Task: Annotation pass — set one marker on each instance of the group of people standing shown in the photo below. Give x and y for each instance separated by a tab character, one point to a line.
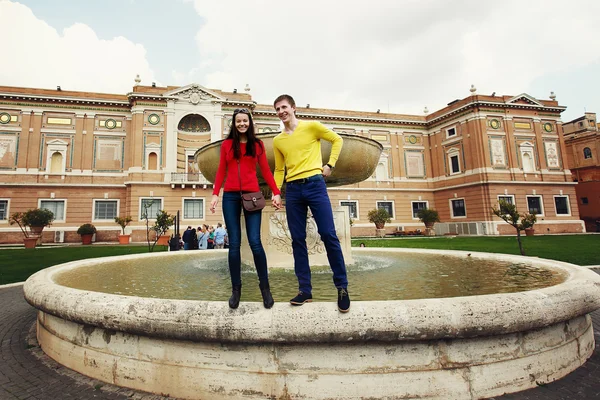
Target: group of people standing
298	163
205	237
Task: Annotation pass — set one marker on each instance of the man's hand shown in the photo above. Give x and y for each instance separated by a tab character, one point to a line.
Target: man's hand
277	201
327	170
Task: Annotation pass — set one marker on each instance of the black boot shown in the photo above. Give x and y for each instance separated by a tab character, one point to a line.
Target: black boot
265	290
236	293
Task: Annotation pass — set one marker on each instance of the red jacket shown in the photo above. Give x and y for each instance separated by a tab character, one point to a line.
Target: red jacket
228	165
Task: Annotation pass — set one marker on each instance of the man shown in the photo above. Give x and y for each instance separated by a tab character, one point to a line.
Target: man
298	150
220	234
187	238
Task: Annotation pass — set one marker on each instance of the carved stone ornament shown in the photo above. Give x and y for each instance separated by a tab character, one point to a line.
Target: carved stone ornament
194	95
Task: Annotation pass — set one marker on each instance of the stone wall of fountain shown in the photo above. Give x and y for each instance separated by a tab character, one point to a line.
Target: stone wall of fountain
451	348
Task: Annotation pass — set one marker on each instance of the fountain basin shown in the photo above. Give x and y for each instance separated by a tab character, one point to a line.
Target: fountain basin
460	347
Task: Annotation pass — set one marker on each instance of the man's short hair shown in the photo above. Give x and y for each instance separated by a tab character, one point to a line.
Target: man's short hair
285	97
189	227
219	224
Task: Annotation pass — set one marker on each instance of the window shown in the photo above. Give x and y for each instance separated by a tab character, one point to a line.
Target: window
587	153
510	199
106	210
584	200
193	208
56	206
534	205
3	210
458	208
387	206
450	132
561	204
151	206
352	208
416	206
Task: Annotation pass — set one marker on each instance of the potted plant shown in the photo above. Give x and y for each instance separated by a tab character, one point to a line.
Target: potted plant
161	225
429	217
123	222
32	222
508	212
87	232
379	217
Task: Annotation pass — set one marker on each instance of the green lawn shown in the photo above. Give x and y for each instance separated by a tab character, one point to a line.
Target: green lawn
576	249
16	265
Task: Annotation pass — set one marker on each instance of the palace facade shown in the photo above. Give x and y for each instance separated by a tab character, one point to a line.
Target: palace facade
89	157
582	140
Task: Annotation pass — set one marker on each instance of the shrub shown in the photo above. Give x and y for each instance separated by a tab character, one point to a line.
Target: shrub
123	222
379	217
86	229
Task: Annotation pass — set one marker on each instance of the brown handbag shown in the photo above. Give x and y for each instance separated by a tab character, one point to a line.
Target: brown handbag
254	201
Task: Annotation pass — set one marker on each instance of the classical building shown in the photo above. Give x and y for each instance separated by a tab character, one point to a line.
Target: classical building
582	140
89	157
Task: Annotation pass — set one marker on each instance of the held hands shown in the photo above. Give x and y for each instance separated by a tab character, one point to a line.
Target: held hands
277	201
213	203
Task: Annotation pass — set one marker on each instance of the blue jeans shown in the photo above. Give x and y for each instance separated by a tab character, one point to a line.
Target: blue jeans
313	195
232	210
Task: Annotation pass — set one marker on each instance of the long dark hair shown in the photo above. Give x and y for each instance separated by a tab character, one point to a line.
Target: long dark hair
251	138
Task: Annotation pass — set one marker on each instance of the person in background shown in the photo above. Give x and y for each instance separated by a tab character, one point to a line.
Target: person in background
241	151
187	238
203	237
211	237
297	151
220	235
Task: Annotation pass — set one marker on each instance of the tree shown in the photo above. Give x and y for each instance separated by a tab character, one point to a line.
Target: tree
123	222
429	217
508	212
161	225
379	217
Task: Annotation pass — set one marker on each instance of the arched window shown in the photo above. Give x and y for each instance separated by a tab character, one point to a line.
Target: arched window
152	161
587	153
194	123
56	163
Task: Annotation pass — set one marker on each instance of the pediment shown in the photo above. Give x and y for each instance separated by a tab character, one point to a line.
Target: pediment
57	142
524	98
194	93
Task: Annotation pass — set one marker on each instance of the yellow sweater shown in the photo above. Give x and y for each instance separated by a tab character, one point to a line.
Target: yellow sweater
300	151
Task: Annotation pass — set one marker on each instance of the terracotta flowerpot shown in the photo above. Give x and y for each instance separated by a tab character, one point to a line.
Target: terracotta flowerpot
163	240
87	239
529	232
124	239
30	242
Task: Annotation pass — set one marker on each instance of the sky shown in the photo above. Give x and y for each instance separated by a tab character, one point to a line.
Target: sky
394	55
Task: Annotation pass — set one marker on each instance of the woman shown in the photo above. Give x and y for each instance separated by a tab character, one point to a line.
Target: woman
203	237
244	150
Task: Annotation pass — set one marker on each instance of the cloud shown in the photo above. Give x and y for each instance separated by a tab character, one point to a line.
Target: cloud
36	55
390	54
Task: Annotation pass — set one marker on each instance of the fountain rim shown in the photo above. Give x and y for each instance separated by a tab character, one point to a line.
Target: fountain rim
367	321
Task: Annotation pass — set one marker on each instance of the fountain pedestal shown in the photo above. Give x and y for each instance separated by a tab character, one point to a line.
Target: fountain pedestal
277	241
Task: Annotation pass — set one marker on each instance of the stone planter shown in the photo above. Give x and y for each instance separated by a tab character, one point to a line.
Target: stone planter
380	233
30	242
87	238
529	232
37	230
124	239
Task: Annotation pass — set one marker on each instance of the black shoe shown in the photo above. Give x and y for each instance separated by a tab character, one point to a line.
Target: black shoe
343	300
301	298
265	290
236	293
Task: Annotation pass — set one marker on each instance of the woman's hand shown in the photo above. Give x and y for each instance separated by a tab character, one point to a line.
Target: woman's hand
277	201
213	203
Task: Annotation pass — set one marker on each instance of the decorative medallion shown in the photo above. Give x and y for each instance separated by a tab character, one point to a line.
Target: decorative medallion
548	127
153	119
494	124
412	139
110	124
194	98
4	118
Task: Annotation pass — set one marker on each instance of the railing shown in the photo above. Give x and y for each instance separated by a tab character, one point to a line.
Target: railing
185	177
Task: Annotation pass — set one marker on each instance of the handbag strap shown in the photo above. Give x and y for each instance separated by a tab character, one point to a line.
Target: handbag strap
240	177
